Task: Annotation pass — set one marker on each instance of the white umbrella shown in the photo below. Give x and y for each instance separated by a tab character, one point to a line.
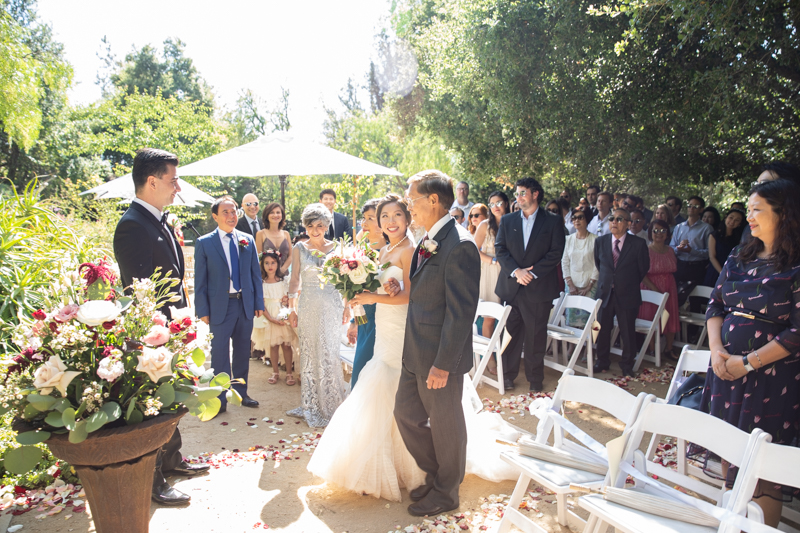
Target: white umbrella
122	187
282	154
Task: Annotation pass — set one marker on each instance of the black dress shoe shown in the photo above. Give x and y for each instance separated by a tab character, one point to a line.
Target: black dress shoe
188	469
537	387
420	492
599	368
508	384
247	401
628	372
423	508
167	495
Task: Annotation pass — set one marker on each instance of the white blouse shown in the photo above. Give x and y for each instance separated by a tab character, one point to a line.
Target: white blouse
578	260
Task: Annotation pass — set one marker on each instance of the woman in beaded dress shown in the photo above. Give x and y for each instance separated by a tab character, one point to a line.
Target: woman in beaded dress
322	314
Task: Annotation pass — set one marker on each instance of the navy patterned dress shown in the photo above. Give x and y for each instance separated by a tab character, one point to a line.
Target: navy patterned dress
769	397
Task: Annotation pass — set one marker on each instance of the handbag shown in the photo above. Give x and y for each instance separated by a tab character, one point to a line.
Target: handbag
689	392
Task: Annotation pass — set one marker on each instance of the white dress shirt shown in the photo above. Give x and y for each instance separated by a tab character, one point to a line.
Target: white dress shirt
438	226
527	227
599	226
465	209
226	243
158	214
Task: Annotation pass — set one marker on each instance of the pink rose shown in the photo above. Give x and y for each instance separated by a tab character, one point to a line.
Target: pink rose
344	269
67	313
160	319
157	336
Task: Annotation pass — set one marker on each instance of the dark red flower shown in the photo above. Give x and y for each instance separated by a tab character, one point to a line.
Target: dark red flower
187	321
53	327
189	337
28	352
39	315
20	490
175	327
92	272
352	265
110	324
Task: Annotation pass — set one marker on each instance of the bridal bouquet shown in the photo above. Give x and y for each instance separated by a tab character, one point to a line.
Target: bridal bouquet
353	269
95	358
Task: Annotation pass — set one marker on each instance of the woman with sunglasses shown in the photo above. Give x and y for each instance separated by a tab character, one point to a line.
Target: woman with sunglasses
477	214
577	264
490	269
660	278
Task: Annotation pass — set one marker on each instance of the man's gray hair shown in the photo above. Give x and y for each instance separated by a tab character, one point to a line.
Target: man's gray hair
316	213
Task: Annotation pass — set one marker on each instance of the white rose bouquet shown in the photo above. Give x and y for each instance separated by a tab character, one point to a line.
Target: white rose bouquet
353	269
99	359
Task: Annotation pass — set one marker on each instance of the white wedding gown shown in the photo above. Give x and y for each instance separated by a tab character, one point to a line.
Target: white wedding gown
362	450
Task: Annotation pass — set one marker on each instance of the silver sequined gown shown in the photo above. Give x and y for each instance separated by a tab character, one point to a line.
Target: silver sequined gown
320	309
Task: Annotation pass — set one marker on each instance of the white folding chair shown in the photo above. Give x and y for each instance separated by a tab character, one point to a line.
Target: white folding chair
775	463
569	335
483	348
557	478
714	434
555	316
688	318
650	328
690	361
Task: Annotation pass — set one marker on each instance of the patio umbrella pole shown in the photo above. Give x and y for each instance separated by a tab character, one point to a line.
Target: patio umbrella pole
282	179
355	202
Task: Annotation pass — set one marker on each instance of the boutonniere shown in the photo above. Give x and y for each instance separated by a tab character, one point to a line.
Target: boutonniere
244	243
428	248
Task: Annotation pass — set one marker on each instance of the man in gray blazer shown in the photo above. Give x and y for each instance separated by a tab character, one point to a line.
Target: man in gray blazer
445	279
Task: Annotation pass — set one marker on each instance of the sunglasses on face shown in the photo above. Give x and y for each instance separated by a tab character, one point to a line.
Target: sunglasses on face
659	231
695	206
521	194
618	219
496	204
476	215
248	204
577	217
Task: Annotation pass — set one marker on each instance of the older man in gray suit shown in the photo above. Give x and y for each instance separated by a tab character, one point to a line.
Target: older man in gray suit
445	278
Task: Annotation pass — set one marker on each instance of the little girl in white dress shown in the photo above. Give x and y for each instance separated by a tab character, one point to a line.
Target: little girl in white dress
272	333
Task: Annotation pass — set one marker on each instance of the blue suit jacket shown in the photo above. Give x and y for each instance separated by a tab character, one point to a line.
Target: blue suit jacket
212	277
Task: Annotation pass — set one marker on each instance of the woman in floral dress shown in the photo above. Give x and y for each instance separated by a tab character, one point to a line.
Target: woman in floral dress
753	319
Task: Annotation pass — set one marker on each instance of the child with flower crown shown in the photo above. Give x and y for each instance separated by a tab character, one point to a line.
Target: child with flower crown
273	331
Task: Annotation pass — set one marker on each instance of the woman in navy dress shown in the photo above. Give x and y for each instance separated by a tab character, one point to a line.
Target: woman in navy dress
753	319
364	334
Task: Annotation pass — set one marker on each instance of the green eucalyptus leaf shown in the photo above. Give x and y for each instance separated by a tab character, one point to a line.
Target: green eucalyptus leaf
23	459
221	380
131	407
96	421
80	432
68	417
209	409
207	394
54	419
135	417
124	301
4	410
233	397
207	376
30	412
198	357
165	394
61	404
33	437
42	403
112	410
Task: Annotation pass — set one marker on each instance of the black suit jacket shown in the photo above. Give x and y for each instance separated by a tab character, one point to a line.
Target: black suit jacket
341	226
244	227
544	251
632	267
140	245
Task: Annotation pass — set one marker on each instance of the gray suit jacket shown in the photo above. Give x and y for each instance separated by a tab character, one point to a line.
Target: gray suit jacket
442	304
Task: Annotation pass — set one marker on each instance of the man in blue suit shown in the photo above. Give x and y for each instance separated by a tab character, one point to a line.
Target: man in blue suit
228	293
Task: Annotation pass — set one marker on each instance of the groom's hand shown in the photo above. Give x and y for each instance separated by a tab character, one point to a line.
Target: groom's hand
437	379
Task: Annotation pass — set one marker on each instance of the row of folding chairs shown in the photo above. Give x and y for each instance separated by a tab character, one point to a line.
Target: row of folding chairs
641	416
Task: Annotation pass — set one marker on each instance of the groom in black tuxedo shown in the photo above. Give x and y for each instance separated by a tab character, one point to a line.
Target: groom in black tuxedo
143	242
445	278
529	246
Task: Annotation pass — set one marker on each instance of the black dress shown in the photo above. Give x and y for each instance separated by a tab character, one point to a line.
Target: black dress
723	247
769	397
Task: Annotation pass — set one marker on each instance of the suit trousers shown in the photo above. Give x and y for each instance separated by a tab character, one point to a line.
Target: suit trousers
626	318
439	448
527	325
168	458
237	328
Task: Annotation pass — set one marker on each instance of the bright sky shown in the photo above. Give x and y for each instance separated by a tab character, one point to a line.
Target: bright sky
310	47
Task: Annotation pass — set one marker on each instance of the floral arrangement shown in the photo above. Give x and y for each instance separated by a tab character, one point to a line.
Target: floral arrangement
353	269
97	358
177	227
428	248
243	243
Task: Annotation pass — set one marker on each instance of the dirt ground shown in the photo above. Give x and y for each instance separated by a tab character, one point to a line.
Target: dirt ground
245	492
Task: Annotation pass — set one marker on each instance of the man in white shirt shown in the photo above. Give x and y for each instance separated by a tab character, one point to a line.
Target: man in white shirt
462	201
599	224
638	222
249	223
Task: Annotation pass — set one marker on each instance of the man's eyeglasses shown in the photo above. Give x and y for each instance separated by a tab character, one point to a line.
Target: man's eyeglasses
410	201
248	204
521	194
618	219
577	217
637	221
659	230
496	204
476	215
695	206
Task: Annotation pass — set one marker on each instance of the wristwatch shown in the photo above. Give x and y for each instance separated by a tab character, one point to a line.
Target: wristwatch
747	366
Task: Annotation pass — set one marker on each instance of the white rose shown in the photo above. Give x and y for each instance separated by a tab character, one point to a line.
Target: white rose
431	245
53	374
180	314
358	275
95	312
155	362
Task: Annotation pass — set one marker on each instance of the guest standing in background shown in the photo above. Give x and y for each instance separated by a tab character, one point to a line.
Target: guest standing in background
340	224
675	205
458	215
462	200
753	319
577	264
775	170
711	217
249	222
363	335
722	242
660	278
664	213
599	224
477	214
591	196
322	385
274	236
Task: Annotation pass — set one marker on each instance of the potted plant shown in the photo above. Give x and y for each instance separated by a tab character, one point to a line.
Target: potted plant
103	379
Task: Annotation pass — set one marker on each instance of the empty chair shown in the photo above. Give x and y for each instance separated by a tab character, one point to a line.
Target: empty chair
694	319
483	348
559	332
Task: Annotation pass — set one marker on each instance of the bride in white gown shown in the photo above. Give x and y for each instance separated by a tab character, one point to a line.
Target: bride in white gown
361	449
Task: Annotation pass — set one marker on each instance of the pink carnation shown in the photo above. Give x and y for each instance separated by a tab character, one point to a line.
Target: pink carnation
157	336
344	269
160	319
67	313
